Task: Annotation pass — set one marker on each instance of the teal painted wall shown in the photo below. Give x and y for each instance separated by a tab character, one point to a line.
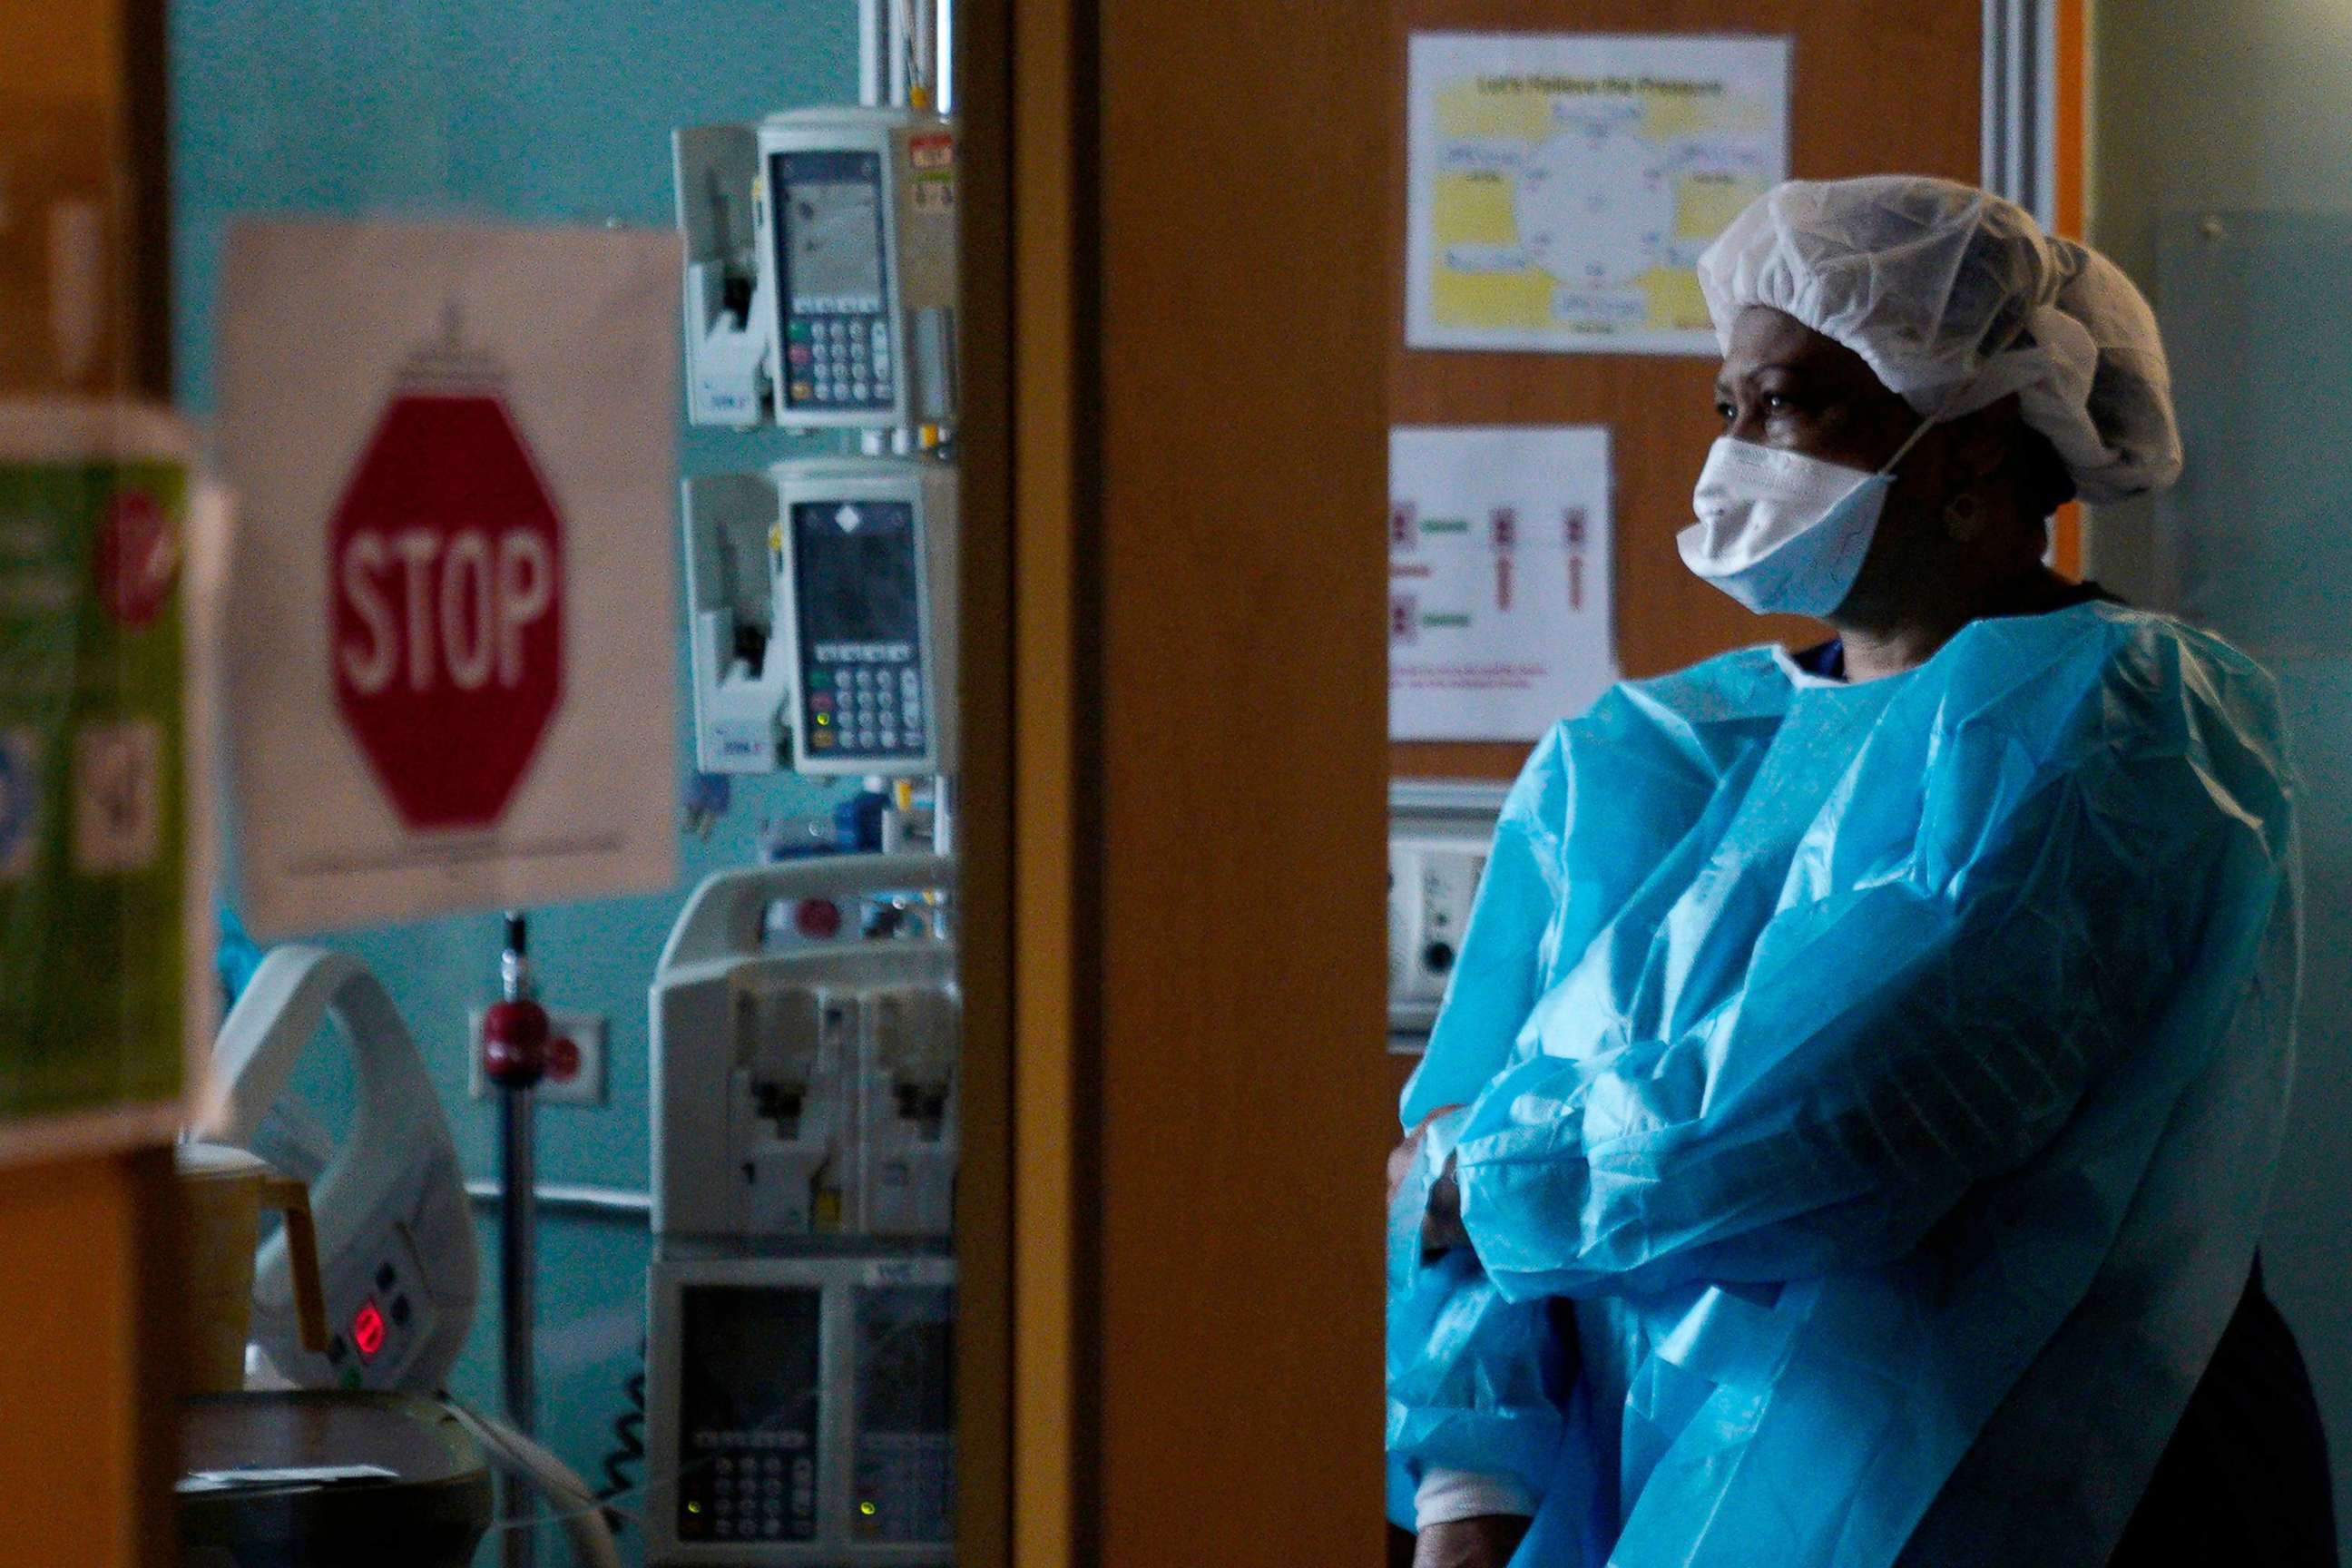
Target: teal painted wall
503	110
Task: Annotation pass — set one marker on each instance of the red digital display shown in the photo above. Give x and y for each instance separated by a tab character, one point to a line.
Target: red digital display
367	1329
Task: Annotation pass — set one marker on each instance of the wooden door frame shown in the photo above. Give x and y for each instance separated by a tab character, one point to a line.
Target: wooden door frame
93	1293
1183	1034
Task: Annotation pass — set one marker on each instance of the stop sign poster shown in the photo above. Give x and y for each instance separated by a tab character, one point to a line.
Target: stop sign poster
450	680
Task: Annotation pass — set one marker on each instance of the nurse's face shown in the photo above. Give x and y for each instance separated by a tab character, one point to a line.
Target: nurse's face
1784	385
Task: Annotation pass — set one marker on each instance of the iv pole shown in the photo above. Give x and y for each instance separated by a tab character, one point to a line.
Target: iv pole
514	1057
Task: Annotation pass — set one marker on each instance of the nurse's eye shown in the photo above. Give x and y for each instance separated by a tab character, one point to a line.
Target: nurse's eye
1726	410
1779	403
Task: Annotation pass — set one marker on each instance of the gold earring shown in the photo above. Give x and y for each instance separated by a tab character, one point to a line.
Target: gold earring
1963	517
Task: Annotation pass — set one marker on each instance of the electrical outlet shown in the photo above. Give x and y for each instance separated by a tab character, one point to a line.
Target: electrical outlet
575	1057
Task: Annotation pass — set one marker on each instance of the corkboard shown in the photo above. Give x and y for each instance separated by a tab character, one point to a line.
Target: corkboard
1878	87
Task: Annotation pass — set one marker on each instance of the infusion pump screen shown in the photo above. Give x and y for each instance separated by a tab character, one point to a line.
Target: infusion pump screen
833	262
855	563
857	588
749	1359
835	231
905	1463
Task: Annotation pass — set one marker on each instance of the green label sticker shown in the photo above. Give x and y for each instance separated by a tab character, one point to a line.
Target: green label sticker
92	862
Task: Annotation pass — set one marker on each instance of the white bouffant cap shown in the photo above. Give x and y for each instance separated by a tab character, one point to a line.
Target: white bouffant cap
1956	298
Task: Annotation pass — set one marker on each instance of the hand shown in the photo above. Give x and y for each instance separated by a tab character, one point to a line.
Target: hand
1486	1541
1401	1157
1441	1224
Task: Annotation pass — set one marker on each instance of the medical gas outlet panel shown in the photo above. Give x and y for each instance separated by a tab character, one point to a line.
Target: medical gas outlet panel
1439	836
821	269
822	594
809	1091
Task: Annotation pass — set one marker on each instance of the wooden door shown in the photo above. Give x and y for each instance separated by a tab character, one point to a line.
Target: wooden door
1171	458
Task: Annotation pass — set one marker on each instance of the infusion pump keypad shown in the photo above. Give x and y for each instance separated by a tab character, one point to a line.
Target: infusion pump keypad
844	360
753	1488
866	699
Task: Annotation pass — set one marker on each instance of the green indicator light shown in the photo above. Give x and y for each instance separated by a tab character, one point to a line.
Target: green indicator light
694	1507
869	1509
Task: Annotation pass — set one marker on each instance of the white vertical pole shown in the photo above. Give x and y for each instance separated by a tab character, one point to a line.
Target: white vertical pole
2023	100
2021	104
1992	78
896	34
869	52
925	20
873	30
943	82
2044	146
904	51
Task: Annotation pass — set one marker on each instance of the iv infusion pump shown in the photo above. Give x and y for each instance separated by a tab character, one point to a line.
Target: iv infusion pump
820	269
805	1120
801	1412
801	1306
822	594
807	1089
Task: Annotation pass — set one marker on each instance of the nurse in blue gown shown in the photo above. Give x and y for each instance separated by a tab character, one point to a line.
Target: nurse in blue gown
1846	1136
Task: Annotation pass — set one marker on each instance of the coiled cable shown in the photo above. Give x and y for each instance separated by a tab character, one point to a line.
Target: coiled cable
628	1442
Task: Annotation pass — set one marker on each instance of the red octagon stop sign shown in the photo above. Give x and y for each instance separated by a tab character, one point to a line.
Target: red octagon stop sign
446	555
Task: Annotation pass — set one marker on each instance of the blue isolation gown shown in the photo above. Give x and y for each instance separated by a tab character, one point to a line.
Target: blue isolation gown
1870	1098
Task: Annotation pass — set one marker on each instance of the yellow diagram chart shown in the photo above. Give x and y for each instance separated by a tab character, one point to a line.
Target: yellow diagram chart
1562	186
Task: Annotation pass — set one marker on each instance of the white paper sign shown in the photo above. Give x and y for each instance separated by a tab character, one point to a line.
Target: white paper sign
450	674
1499	622
1562	187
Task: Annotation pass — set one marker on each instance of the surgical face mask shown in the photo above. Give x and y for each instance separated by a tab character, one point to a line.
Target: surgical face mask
1783	531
